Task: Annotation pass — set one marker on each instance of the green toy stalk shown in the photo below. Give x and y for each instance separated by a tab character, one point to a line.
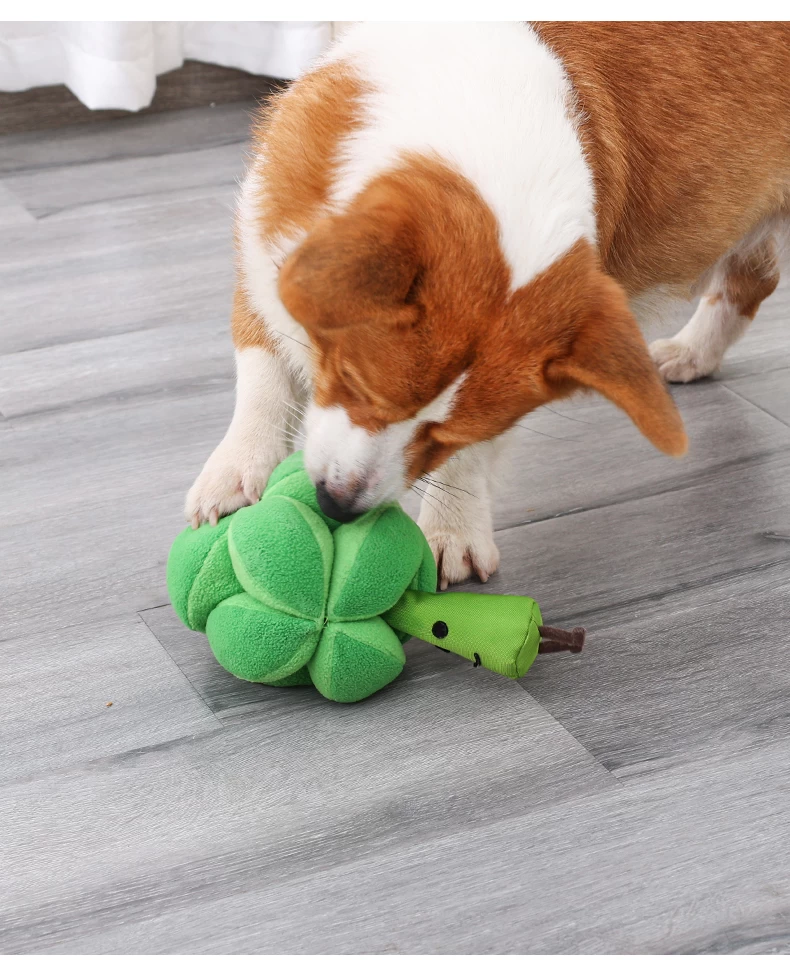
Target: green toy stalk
500	632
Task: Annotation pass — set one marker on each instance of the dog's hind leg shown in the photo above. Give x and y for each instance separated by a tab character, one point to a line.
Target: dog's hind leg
736	286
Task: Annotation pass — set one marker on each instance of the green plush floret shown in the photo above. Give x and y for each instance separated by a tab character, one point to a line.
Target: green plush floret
200	574
288	596
356	659
282	554
239	626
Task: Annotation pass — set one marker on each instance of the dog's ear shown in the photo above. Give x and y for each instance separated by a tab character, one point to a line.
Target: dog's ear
609	354
352	269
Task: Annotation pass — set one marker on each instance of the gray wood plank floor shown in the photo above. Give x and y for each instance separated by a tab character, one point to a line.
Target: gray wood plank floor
631	799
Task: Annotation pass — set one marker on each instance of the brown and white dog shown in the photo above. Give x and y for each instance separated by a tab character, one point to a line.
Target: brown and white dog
446	226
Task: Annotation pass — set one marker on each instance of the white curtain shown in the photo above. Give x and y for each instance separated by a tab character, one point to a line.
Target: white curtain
110	64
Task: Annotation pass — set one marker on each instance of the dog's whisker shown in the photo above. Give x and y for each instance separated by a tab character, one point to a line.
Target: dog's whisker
295	407
431	498
449	494
423	495
287	433
566	416
286	427
454	497
432	480
277	426
542	433
297	417
288	336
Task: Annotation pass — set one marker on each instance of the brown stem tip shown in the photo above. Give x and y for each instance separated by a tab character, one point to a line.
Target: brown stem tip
560	640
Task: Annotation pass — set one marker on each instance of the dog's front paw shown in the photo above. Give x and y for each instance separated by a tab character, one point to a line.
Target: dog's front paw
460	553
234	476
676	362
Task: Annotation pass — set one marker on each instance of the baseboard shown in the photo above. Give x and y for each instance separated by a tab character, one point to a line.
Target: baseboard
193	85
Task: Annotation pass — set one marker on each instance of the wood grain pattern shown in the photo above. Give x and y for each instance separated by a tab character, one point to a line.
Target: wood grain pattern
47	192
631	799
90	371
264	800
86	693
92	501
598	457
134	267
668	865
693	674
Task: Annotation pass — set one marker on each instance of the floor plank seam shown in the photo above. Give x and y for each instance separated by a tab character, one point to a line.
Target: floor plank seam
169	153
71	340
723	380
214	387
629	497
756	406
522	684
147	393
44	214
151	608
115	618
178	668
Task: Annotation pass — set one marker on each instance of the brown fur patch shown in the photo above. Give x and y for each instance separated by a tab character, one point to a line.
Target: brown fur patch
750	278
297	139
687	129
397	291
246	326
570	328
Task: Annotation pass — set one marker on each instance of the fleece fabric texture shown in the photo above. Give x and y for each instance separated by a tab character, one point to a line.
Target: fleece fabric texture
288	596
500	632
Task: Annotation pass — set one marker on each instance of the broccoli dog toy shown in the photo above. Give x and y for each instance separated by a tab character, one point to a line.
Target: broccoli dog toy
288	596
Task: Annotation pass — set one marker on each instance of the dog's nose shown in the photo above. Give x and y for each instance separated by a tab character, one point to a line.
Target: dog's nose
334	505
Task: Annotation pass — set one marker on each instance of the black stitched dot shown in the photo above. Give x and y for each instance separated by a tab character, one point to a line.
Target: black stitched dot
440	630
477	660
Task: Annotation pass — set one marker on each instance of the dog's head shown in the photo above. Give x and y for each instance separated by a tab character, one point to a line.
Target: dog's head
422	346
